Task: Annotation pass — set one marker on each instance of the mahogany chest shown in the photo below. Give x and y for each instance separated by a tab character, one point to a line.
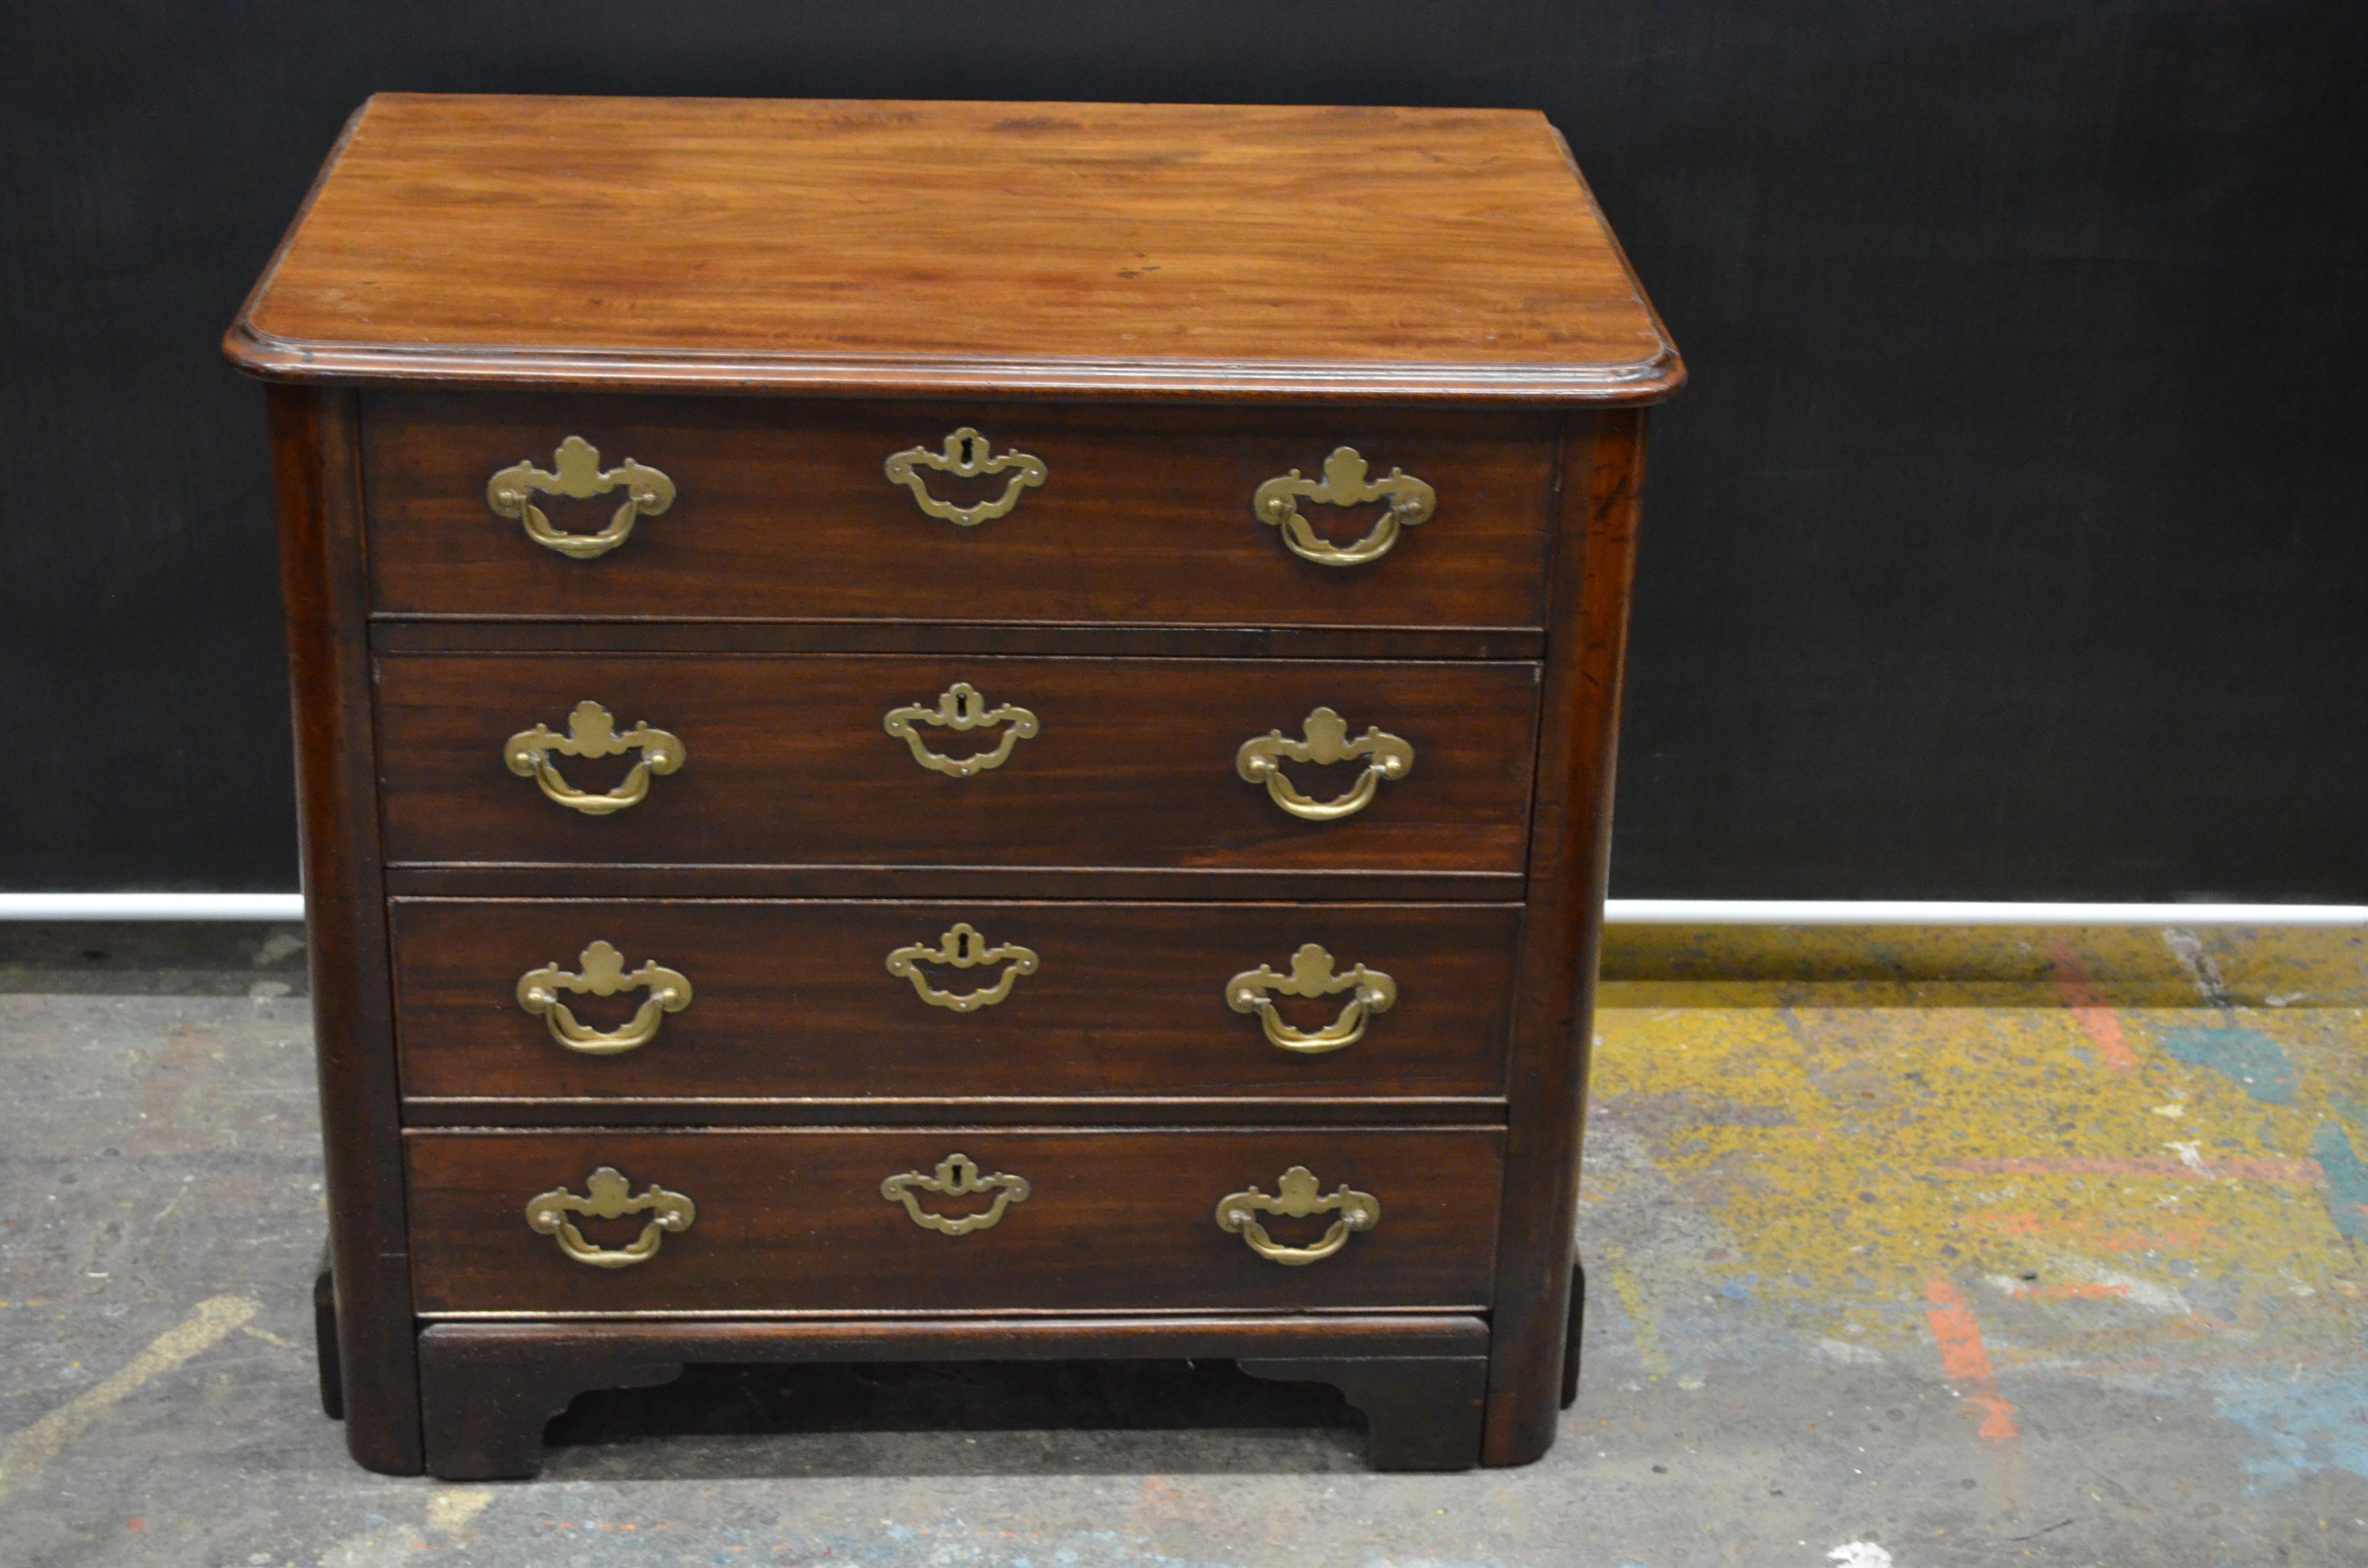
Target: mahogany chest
950	729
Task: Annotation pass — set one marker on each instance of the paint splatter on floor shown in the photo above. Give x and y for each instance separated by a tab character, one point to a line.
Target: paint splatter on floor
2113	1157
2244	1057
1925	1248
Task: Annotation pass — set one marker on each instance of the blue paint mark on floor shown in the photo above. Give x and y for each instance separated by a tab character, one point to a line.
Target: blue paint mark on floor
2347	1181
2253	1061
2305	1427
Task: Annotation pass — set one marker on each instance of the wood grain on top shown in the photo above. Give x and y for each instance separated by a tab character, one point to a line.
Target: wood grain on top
895	247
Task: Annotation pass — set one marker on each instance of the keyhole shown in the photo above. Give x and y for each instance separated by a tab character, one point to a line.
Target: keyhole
967	456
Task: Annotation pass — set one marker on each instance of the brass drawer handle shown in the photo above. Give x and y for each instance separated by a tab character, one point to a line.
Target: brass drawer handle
1358	1211
1344	484
603	975
962	948
548	1216
960	708
579	477
592	731
965	458
1311	975
1326	739
957	1176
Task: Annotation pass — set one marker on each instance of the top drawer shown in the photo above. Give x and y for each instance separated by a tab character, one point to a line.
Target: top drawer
786	509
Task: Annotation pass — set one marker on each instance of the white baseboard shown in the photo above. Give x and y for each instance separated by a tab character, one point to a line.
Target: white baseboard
1915	912
280	906
288	906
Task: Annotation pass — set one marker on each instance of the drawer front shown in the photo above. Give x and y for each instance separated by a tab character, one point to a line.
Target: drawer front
503	999
798	1222
785	509
1083	763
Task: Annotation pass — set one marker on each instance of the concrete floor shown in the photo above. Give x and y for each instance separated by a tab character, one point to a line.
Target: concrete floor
1905	1248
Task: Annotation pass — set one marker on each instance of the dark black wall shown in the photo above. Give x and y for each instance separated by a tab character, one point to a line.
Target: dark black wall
2009	542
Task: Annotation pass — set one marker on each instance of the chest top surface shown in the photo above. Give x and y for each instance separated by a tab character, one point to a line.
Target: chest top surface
880	247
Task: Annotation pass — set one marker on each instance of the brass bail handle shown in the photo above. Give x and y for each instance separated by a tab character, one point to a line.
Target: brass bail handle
1311	975
960	708
547	1215
962	948
957	1176
965	456
1237	1215
592	731
1324	739
1345	483
576	472
603	974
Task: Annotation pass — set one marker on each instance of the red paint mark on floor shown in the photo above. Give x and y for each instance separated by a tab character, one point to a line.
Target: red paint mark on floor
1964	1361
2070	1293
2087	1003
2286	1172
2091	1234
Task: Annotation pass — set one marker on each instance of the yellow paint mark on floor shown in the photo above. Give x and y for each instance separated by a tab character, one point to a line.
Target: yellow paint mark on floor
1856	1138
37	1445
1684	966
455	1509
1640	1322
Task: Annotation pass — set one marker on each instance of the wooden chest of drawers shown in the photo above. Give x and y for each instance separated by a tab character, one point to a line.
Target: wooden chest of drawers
938	730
